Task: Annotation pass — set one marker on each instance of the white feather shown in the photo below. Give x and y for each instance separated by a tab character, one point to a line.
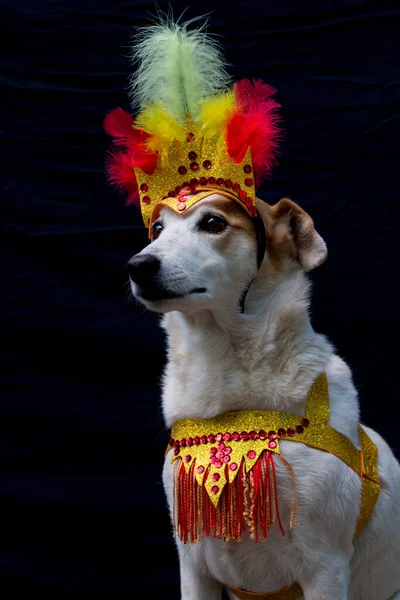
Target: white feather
176	66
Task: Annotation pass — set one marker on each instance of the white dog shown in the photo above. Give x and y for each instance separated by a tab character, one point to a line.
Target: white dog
266	357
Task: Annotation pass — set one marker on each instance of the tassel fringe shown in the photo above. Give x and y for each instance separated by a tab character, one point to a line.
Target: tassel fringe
249	503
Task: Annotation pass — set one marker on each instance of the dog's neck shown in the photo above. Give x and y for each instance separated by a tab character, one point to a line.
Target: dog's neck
265	358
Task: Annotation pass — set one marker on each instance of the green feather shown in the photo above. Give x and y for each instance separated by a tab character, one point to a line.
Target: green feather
177	67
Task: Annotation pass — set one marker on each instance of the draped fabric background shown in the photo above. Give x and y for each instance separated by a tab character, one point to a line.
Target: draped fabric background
82	437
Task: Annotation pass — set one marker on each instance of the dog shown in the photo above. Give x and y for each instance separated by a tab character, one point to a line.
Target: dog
239	338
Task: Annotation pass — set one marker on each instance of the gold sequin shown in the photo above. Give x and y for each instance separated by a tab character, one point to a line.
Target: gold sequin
166	177
318	434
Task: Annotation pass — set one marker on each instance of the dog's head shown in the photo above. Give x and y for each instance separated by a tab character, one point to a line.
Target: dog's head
207	257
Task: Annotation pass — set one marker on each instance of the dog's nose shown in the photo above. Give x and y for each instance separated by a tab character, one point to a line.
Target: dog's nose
143	268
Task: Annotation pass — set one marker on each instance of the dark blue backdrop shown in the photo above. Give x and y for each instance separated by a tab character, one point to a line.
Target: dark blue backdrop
82	440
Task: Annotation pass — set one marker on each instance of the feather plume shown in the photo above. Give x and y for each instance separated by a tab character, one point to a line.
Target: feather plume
121	174
251	93
255	123
176	66
215	112
164	128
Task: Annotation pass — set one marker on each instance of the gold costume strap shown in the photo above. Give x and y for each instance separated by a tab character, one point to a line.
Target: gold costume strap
293	592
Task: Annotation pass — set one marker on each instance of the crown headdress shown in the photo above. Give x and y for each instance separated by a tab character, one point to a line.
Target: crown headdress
194	134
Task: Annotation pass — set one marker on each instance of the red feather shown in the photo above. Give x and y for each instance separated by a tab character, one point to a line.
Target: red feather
119	124
120	164
121	174
255	124
248	93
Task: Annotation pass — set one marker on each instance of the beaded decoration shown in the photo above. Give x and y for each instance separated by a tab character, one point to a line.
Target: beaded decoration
195	133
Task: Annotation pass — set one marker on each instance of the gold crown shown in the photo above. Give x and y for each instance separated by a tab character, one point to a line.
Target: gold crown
193	170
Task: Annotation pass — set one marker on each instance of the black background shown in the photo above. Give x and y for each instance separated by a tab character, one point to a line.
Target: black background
82	438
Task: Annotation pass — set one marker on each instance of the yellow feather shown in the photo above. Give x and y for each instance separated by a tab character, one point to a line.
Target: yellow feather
163	128
215	112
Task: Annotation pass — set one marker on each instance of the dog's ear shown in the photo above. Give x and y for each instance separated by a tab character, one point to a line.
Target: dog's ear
290	230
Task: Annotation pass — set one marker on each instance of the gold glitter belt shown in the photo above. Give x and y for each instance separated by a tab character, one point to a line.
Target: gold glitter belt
225	479
292	592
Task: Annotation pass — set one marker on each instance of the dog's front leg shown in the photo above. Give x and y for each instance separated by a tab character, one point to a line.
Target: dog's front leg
196	581
329	581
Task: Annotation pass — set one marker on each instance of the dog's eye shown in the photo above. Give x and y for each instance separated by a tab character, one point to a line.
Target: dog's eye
212	224
156	230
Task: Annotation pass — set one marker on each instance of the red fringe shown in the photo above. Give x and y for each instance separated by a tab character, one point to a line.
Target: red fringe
250	503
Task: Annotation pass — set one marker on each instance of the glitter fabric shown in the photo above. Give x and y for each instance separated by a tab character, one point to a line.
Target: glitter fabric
240	438
177	171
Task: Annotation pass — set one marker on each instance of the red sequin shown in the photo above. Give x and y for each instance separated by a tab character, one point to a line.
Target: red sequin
213	450
242	194
219	454
177	189
200	469
262	434
227	450
211	180
221	446
272	444
248	181
194	166
291	432
214	489
247	169
211	438
190	137
196	440
299	428
204	439
235	436
305	422
220	181
244	435
226	458
248	202
207	164
213	459
271	435
251	454
182	170
171	441
194	181
218	437
182	443
176	451
189	441
171	193
144	187
227	436
192	155
216	477
146	200
187	458
253	210
236	187
228	183
233	466
253	435
185	184
281	432
181	206
203	180
218	464
176	443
